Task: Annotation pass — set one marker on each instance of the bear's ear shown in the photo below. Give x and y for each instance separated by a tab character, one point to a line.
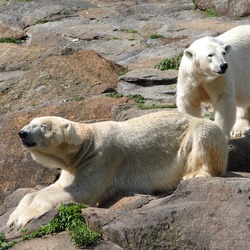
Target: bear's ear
188	53
227	47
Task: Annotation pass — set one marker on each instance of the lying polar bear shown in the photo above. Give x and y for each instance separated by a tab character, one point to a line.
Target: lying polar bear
142	155
217	70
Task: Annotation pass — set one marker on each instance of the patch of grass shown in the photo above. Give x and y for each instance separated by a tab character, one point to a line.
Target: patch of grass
115	95
140	101
68	218
10	40
170	63
4	244
129	31
155	106
124	71
210	12
25	0
156	36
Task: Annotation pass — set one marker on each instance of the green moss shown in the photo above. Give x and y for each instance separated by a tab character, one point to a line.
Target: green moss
210	12
155	106
129	31
124	71
156	36
170	63
68	218
115	95
4	244
140	101
10	40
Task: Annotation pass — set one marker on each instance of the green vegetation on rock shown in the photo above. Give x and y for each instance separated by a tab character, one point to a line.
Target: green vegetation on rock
210	12
68	218
10	40
4	244
128	31
170	63
140	101
156	36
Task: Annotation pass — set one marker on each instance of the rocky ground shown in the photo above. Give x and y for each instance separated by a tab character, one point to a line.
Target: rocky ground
72	53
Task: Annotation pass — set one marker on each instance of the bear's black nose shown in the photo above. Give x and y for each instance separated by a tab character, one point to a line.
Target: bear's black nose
23	134
224	66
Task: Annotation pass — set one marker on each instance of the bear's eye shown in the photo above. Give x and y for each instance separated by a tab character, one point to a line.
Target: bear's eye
210	55
224	53
44	127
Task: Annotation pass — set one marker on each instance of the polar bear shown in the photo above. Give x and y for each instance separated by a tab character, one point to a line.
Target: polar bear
217	70
99	160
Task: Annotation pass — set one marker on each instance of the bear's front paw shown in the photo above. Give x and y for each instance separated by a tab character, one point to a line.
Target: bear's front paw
22	215
240	129
18	220
29	208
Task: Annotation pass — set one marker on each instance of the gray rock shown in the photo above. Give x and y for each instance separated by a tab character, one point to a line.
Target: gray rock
202	213
152	84
236	8
24	13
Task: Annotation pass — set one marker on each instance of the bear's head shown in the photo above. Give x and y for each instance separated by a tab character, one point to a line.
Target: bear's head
208	57
54	138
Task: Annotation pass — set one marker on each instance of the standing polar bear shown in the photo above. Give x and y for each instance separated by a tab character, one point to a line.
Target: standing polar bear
142	155
217	70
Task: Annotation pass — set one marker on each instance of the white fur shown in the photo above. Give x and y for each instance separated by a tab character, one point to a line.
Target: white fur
142	155
199	79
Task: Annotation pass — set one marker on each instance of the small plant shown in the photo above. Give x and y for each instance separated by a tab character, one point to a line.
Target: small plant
124	71
170	63
115	95
210	12
140	101
156	36
128	31
68	218
10	40
24	230
3	244
155	106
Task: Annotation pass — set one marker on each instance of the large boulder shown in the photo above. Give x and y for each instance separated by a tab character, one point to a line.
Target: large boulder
203	213
235	8
58	78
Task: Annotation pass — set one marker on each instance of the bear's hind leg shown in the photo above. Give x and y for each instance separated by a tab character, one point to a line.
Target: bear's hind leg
208	150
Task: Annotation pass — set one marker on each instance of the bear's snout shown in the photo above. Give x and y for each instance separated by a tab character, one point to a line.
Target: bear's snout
23	134
26	139
223	67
